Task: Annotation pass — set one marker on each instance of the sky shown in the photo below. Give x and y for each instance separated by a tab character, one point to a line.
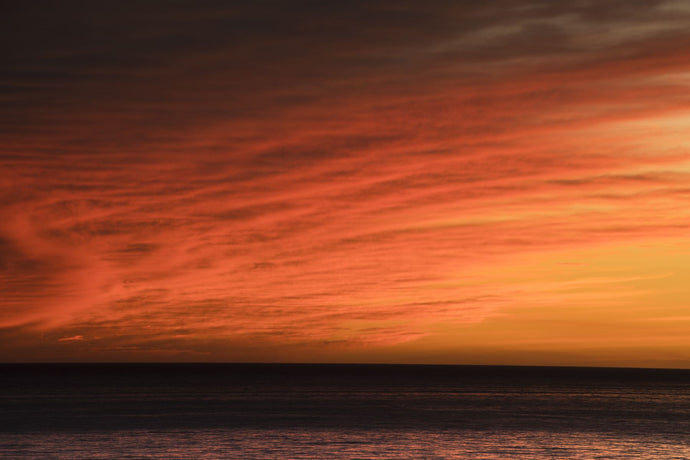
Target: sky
459	182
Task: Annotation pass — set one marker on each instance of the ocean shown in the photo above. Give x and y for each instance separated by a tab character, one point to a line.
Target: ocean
314	411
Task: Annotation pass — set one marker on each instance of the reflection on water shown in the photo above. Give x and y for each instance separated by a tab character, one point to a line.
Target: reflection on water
341	412
336	444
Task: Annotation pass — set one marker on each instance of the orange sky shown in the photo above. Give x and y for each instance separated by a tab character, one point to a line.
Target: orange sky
432	182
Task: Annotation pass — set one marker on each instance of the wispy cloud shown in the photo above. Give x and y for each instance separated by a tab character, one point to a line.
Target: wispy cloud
267	174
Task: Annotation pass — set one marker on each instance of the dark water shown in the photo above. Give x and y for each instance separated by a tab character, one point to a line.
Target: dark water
341	411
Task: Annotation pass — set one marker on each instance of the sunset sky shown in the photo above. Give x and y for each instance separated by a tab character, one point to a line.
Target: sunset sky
501	182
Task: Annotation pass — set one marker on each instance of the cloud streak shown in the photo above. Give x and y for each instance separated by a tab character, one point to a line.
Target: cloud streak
183	180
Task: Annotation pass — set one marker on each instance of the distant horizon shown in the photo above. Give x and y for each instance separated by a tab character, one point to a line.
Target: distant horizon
335	364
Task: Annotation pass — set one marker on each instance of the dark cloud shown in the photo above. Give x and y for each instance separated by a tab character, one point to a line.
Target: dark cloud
125	67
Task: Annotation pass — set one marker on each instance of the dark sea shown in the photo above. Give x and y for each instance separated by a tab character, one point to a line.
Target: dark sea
287	411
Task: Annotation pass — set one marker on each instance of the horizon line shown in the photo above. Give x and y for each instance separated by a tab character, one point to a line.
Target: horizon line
338	364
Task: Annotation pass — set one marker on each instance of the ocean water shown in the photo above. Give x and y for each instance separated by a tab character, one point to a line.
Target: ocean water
341	412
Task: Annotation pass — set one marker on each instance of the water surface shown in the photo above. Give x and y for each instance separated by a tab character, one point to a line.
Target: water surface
341	411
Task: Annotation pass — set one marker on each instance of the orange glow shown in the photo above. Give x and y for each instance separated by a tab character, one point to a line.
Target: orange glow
502	193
